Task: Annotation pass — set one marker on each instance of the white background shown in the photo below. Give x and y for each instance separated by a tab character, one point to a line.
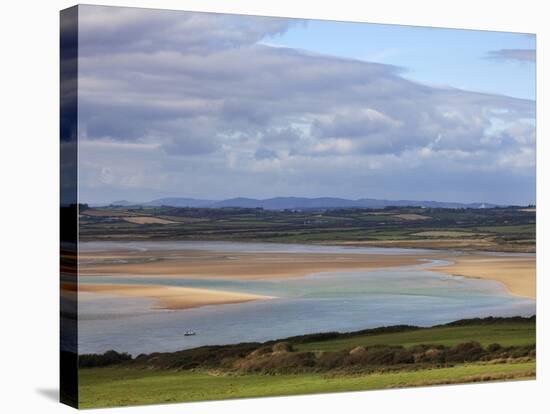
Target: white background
29	205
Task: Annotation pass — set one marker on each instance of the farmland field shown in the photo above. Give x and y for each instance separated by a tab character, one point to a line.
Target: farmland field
495	229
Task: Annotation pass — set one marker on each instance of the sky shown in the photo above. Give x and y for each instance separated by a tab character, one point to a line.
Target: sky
213	106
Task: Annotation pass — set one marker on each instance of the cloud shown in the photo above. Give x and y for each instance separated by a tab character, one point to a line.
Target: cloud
521	55
265	154
209	103
110	30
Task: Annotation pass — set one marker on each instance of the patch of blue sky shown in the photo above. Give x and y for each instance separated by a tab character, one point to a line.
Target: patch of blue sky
434	56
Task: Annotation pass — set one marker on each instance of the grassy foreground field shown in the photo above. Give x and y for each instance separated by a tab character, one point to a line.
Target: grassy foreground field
257	370
100	387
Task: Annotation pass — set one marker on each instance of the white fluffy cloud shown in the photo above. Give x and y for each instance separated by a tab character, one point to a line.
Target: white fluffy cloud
191	104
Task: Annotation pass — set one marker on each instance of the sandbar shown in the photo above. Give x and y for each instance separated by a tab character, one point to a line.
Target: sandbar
242	266
173	297
516	273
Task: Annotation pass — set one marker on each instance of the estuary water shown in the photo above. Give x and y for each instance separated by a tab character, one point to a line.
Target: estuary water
321	302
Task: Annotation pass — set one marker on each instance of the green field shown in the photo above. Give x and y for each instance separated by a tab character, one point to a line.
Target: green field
100	387
506	334
205	374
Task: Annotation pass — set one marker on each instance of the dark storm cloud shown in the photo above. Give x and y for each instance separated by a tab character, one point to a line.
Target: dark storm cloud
522	55
179	84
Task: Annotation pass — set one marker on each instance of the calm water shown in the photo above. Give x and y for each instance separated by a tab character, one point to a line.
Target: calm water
336	301
224	246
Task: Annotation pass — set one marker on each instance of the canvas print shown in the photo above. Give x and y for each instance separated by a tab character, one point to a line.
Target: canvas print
263	206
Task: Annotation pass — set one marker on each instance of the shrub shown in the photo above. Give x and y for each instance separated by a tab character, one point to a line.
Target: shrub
331	360
403	356
260	351
381	355
102	360
494	347
279	362
465	352
431	355
282	347
358	350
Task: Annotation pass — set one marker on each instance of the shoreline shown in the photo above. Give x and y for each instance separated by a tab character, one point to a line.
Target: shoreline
173	297
432	245
516	273
239	265
309	340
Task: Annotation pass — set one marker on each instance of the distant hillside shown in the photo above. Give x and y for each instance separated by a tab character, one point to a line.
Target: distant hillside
298	203
121	203
179	202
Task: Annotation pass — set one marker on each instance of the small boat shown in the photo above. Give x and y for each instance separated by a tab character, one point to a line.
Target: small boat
189	333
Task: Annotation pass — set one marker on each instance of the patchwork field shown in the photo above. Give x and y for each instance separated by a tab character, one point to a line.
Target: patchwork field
147	220
495	229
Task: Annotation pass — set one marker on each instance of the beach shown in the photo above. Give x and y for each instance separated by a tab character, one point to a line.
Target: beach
517	273
168	297
264	290
218	265
241	265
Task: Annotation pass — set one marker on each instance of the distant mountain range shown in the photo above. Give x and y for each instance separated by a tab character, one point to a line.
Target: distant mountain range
296	203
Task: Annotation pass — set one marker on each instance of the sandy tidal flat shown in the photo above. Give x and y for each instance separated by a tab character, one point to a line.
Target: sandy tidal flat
241	266
517	273
217	265
171	297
